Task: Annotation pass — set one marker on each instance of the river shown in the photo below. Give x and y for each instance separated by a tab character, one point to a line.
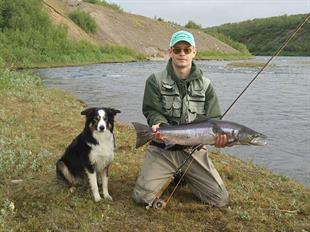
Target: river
276	104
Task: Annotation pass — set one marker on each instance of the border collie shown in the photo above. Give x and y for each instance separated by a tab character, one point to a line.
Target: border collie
91	152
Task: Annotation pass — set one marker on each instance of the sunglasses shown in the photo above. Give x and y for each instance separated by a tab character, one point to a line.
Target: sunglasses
179	50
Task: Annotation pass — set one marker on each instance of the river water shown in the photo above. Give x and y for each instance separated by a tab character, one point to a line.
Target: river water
276	104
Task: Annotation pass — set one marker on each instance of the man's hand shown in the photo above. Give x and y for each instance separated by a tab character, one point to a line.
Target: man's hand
155	132
155	127
221	140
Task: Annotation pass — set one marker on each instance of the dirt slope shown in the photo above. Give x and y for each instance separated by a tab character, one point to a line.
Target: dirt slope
144	35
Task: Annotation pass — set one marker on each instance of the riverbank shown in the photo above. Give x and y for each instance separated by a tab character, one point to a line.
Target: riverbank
38	123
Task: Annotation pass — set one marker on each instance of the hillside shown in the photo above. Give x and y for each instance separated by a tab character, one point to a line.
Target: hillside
265	36
143	35
29	38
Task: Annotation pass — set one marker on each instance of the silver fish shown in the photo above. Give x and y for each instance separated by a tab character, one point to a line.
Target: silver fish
199	133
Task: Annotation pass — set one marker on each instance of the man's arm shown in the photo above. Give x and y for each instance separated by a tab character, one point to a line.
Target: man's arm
152	106
212	106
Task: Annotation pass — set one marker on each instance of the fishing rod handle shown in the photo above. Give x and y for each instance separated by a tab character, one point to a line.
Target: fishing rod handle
158	203
164	187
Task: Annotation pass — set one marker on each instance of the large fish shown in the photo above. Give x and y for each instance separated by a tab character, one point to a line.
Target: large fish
199	133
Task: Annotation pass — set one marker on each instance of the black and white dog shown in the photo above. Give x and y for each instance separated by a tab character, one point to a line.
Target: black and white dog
91	152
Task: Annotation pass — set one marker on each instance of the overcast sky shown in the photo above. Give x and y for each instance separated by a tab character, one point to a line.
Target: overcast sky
212	12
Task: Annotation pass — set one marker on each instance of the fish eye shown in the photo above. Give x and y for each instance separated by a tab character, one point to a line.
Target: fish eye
235	133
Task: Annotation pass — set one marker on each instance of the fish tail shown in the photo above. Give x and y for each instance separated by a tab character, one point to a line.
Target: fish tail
143	134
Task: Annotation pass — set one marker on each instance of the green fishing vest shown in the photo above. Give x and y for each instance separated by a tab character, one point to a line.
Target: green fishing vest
176	109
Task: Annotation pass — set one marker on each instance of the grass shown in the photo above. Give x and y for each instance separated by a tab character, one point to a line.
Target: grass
113	6
29	39
84	21
36	124
214	55
248	64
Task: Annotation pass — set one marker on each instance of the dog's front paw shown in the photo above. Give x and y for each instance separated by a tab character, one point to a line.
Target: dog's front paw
108	197
97	198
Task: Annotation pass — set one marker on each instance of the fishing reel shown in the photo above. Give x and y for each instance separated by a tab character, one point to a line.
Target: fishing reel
157	204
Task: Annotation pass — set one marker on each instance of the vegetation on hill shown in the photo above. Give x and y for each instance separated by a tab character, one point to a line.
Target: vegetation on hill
28	39
191	24
234	44
84	21
113	6
265	36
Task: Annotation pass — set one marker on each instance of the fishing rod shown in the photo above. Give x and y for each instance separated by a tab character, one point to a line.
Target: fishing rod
160	204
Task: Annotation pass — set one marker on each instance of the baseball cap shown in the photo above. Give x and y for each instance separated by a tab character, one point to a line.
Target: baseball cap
182	36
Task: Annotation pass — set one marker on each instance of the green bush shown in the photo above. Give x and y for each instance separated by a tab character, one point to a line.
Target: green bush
192	25
84	21
266	36
113	6
22	15
226	39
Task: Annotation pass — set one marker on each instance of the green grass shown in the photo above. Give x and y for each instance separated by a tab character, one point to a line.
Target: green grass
248	64
84	21
29	39
202	55
113	6
36	124
226	39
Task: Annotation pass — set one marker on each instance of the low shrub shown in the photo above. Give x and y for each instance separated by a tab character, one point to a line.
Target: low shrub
84	21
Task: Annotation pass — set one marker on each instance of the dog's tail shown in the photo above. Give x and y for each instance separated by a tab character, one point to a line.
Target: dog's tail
63	173
143	134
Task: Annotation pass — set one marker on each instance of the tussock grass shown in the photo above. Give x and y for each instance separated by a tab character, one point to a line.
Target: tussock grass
84	20
112	5
249	64
215	55
37	124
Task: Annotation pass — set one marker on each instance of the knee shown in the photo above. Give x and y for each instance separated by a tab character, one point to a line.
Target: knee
218	198
222	199
137	196
142	196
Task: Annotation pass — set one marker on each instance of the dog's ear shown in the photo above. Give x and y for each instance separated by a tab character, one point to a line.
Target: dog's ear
88	111
114	111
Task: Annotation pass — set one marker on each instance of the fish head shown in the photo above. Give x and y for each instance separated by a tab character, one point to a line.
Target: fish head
251	137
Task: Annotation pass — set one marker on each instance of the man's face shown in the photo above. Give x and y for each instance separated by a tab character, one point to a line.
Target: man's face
182	54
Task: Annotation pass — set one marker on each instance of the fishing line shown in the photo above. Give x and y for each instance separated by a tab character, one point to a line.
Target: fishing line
255	77
266	64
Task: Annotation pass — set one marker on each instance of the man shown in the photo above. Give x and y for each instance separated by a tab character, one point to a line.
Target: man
180	94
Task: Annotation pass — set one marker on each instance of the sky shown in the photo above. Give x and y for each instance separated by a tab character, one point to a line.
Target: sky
208	13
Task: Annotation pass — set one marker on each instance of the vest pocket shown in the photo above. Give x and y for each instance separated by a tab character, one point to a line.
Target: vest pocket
197	107
171	100
176	107
172	105
196	102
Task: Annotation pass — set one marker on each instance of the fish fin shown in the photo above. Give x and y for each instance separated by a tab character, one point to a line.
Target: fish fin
143	134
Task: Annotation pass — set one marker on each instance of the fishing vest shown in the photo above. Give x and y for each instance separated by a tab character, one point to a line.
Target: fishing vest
176	109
